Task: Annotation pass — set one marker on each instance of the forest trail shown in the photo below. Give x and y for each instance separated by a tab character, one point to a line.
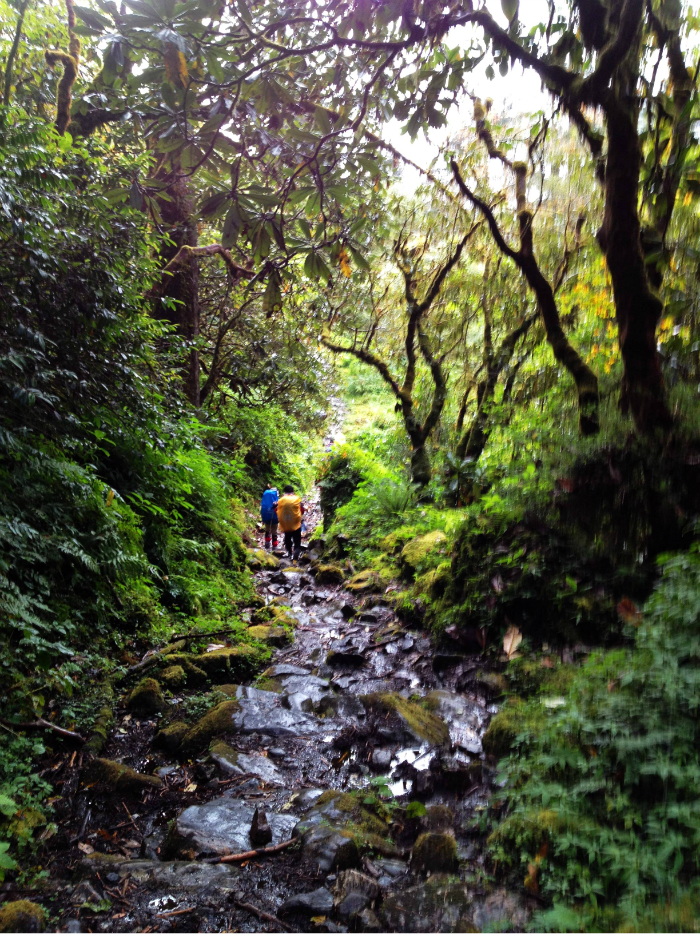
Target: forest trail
354	721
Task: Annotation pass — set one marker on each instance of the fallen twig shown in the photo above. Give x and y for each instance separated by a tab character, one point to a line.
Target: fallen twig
41	724
251	854
179	911
263	915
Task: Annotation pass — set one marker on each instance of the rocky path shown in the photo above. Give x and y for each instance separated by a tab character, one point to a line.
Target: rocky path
359	742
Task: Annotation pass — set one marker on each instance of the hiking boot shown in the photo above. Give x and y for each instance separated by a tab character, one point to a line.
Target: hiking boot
267	544
297	554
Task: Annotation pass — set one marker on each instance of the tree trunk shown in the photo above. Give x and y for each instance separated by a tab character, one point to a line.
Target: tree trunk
421	471
638	309
182	286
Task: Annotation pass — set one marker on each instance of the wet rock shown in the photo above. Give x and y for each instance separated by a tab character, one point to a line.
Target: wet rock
351	880
276	752
181	876
216	721
170	737
434	852
495	684
308	685
227	663
73	926
298	701
436	905
444	660
389	871
261	712
232	762
501	910
147	698
458	775
423	784
328	847
121	777
502	731
344	706
329	574
151	845
348	610
351	905
22	915
347	651
318	902
368	920
260	830
281	671
464	717
416	722
417	550
381	760
219	827
173	677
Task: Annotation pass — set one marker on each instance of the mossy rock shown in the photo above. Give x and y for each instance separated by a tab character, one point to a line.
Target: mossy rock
121	777
365	582
170	738
258	559
275	613
418	722
147	698
100	731
434	852
216	721
509	723
22	915
272	635
434	583
416	551
438	819
193	673
174	647
495	683
528	676
329	574
173	677
356	822
273	685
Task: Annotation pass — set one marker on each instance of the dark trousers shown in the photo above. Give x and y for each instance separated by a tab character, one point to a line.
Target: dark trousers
292	540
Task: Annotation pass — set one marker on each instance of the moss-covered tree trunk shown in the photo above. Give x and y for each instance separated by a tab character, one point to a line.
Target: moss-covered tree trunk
637	307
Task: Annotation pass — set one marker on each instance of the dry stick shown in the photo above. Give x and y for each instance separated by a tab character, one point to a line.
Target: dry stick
179	911
41	724
251	854
263	915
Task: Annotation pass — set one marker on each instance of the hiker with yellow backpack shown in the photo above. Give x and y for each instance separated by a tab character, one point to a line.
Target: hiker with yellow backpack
290	511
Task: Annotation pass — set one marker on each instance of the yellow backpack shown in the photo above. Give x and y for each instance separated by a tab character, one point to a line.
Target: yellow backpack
289	512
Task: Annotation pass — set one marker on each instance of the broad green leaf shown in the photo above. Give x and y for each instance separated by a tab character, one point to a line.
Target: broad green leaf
232	227
92	18
510	9
272	299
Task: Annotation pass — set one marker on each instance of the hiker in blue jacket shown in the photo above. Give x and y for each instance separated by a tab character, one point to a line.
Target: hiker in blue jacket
268	513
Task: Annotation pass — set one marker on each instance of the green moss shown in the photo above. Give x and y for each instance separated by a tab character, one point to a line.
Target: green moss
217	721
22	915
171	737
173	677
528	676
438	818
329	574
509	723
367	581
416	551
269	684
257	559
420	722
121	777
195	675
434	583
434	852
147	698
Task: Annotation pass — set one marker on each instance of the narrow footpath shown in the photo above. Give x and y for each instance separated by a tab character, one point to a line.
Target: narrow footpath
349	774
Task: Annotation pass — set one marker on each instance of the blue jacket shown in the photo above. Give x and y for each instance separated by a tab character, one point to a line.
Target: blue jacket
269	498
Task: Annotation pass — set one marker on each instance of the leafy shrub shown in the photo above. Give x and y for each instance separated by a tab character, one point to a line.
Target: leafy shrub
617	768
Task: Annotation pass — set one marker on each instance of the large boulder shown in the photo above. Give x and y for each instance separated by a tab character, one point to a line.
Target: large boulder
221	827
258	559
434	852
217	721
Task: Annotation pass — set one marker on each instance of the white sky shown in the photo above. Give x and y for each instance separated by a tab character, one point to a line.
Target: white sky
520	91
